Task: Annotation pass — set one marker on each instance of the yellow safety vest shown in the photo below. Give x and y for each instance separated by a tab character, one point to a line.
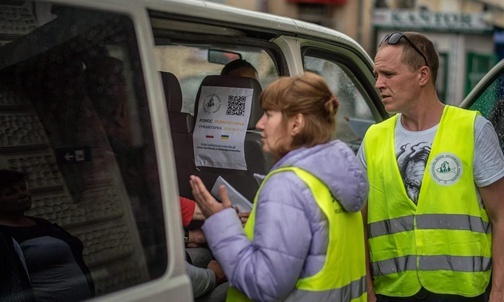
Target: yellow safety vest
443	242
343	276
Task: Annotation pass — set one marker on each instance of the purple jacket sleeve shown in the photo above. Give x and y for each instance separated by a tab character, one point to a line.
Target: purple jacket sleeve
267	268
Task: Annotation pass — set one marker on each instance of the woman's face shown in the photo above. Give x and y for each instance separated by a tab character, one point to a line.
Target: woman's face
274	135
15	198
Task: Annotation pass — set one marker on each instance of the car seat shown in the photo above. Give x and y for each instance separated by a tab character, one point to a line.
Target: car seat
257	162
181	127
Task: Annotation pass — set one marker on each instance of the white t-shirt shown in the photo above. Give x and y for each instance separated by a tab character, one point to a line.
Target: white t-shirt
412	149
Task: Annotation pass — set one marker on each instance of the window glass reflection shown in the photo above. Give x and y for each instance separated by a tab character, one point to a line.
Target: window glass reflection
74	120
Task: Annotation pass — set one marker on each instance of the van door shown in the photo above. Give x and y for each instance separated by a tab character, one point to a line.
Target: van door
355	114
488	98
82	115
349	74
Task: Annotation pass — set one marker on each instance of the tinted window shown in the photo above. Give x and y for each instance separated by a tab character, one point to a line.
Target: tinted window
74	117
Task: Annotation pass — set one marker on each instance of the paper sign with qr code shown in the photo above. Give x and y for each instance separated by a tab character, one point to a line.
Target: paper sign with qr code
221	124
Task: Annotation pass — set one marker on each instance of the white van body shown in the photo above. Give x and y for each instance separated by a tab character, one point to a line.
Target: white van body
101	161
487	97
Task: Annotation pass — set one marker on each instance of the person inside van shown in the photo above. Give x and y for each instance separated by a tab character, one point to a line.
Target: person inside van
194	239
205	273
51	258
304	240
240	68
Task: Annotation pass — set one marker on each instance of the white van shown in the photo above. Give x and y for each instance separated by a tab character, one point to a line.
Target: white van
98	106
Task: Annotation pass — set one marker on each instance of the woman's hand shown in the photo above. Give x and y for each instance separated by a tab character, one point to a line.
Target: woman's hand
207	204
243	217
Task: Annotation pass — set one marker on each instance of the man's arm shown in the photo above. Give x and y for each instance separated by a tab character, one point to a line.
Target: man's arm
493	198
202	280
196	238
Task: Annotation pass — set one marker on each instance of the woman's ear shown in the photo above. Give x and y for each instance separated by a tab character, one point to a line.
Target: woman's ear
297	124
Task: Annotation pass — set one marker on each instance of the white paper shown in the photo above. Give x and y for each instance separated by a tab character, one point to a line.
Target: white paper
237	199
221	125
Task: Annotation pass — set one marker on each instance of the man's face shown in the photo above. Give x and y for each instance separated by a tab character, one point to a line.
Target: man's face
15	198
397	83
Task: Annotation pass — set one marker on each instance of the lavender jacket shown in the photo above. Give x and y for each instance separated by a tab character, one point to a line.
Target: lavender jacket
290	232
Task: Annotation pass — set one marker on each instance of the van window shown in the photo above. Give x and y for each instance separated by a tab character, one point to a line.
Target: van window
190	64
75	118
354	115
185	59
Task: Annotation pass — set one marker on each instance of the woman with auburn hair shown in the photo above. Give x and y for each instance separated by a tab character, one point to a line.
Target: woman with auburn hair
304	240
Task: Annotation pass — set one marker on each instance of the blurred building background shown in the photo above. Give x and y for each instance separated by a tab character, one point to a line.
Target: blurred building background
469	34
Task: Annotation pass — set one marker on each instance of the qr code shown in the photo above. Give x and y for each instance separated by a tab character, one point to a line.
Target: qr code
236	105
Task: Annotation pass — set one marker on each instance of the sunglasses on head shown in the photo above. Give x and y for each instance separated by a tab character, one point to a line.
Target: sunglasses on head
394	38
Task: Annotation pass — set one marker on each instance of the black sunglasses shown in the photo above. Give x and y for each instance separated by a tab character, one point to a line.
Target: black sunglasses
394	38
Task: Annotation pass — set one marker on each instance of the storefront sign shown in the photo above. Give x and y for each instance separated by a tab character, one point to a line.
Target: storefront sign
432	21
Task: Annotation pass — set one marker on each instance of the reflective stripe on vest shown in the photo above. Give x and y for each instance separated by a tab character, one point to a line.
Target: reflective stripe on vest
429	221
443	262
443	242
345	254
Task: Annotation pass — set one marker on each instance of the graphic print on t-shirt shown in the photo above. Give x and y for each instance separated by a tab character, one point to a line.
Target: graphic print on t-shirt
412	160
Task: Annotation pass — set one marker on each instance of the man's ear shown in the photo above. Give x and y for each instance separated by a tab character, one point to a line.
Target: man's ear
425	75
297	124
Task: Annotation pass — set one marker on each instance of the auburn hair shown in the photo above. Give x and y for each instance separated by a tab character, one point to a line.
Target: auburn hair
309	95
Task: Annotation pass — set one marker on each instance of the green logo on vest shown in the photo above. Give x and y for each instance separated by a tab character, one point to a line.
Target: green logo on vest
446	169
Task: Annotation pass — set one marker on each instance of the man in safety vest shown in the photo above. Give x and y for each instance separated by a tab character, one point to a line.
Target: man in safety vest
435	213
